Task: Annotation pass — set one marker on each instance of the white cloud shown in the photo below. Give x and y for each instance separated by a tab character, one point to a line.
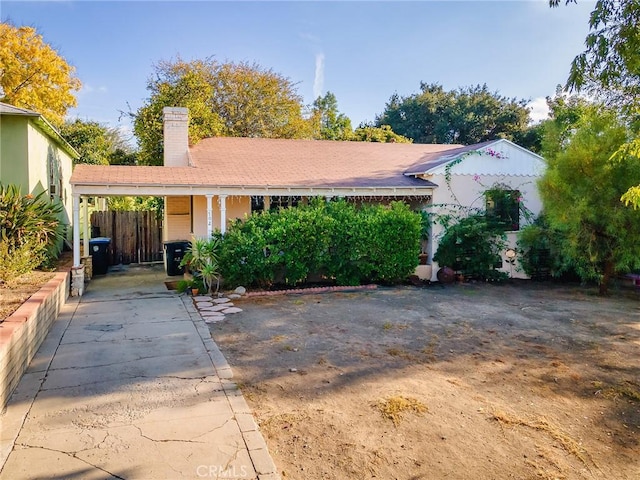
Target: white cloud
318	81
86	89
539	110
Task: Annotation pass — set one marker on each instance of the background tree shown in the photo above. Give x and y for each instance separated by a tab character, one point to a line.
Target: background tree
466	115
333	125
581	190
229	99
33	75
98	144
383	134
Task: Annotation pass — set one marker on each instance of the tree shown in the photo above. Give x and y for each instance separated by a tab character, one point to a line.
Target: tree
581	190
33	75
332	124
229	99
97	144
610	65
466	115
382	134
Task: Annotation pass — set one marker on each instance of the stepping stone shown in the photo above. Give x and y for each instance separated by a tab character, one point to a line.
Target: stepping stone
215	308
240	290
202	298
221	300
234	296
232	310
213	319
210	314
204	304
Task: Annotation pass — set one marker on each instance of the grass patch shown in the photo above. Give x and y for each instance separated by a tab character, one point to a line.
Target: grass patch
394	408
542	424
625	389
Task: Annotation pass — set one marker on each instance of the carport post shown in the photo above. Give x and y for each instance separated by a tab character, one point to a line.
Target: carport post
76	230
85	226
223	213
209	216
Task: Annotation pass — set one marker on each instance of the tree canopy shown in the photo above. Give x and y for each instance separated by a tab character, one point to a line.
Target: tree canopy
581	190
333	125
382	134
97	144
33	75
228	99
610	64
465	115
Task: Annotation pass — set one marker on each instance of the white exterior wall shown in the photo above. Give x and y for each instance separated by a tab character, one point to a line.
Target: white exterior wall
477	173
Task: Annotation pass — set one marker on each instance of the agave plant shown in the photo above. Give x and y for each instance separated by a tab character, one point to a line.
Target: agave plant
202	258
29	230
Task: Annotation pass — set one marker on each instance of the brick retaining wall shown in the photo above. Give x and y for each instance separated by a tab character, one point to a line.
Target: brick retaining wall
22	332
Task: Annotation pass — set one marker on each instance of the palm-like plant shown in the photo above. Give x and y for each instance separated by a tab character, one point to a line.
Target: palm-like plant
202	257
29	230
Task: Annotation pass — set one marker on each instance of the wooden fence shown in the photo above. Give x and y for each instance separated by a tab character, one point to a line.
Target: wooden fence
136	237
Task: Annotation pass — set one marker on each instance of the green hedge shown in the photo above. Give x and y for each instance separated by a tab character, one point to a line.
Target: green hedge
344	244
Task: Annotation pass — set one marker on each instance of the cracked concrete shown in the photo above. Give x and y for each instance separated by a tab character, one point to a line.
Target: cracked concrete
130	385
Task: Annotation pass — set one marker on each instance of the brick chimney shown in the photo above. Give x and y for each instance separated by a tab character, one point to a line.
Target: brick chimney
176	136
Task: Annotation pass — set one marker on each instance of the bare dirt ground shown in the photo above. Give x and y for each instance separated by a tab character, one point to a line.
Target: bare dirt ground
515	381
16	291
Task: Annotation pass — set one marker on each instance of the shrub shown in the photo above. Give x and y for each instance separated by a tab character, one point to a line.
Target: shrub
472	246
29	231
540	249
345	244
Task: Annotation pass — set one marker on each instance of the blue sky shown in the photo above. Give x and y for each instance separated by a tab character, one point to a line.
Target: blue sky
363	52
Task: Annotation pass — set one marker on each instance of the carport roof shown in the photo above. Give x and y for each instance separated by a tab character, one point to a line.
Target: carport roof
257	165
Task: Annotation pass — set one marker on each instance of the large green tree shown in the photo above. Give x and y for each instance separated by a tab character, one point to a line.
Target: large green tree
98	144
581	191
610	68
465	115
33	75
228	99
332	124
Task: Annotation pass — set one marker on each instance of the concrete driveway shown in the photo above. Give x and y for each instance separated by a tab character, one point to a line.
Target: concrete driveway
130	385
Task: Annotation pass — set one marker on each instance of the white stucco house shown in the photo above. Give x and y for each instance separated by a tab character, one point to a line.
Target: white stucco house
223	178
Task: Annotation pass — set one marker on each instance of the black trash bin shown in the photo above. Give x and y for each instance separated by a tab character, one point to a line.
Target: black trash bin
173	253
99	254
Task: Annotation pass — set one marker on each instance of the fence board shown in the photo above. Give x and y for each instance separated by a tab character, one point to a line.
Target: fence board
136	237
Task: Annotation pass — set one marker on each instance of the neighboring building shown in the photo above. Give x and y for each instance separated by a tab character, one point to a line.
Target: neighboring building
223	178
34	156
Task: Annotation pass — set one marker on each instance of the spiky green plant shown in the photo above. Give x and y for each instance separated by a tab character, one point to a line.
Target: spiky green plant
202	258
29	231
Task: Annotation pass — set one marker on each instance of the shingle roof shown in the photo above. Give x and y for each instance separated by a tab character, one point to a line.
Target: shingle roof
7	109
260	162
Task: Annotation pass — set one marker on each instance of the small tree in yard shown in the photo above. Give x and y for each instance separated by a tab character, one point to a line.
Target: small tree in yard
581	192
29	231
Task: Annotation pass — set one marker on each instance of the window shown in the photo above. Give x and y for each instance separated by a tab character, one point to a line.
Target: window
503	206
257	203
284	202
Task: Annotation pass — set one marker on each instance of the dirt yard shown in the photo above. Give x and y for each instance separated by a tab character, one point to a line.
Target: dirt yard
474	382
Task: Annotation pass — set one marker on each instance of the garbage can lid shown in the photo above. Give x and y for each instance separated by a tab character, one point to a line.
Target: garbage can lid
100	240
176	242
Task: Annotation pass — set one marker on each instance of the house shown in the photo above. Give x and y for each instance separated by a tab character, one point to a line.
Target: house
223	178
34	156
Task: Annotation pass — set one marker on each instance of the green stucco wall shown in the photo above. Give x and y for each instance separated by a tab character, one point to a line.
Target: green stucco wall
14	140
33	160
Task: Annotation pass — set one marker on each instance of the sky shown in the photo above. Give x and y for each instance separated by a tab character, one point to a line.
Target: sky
361	51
